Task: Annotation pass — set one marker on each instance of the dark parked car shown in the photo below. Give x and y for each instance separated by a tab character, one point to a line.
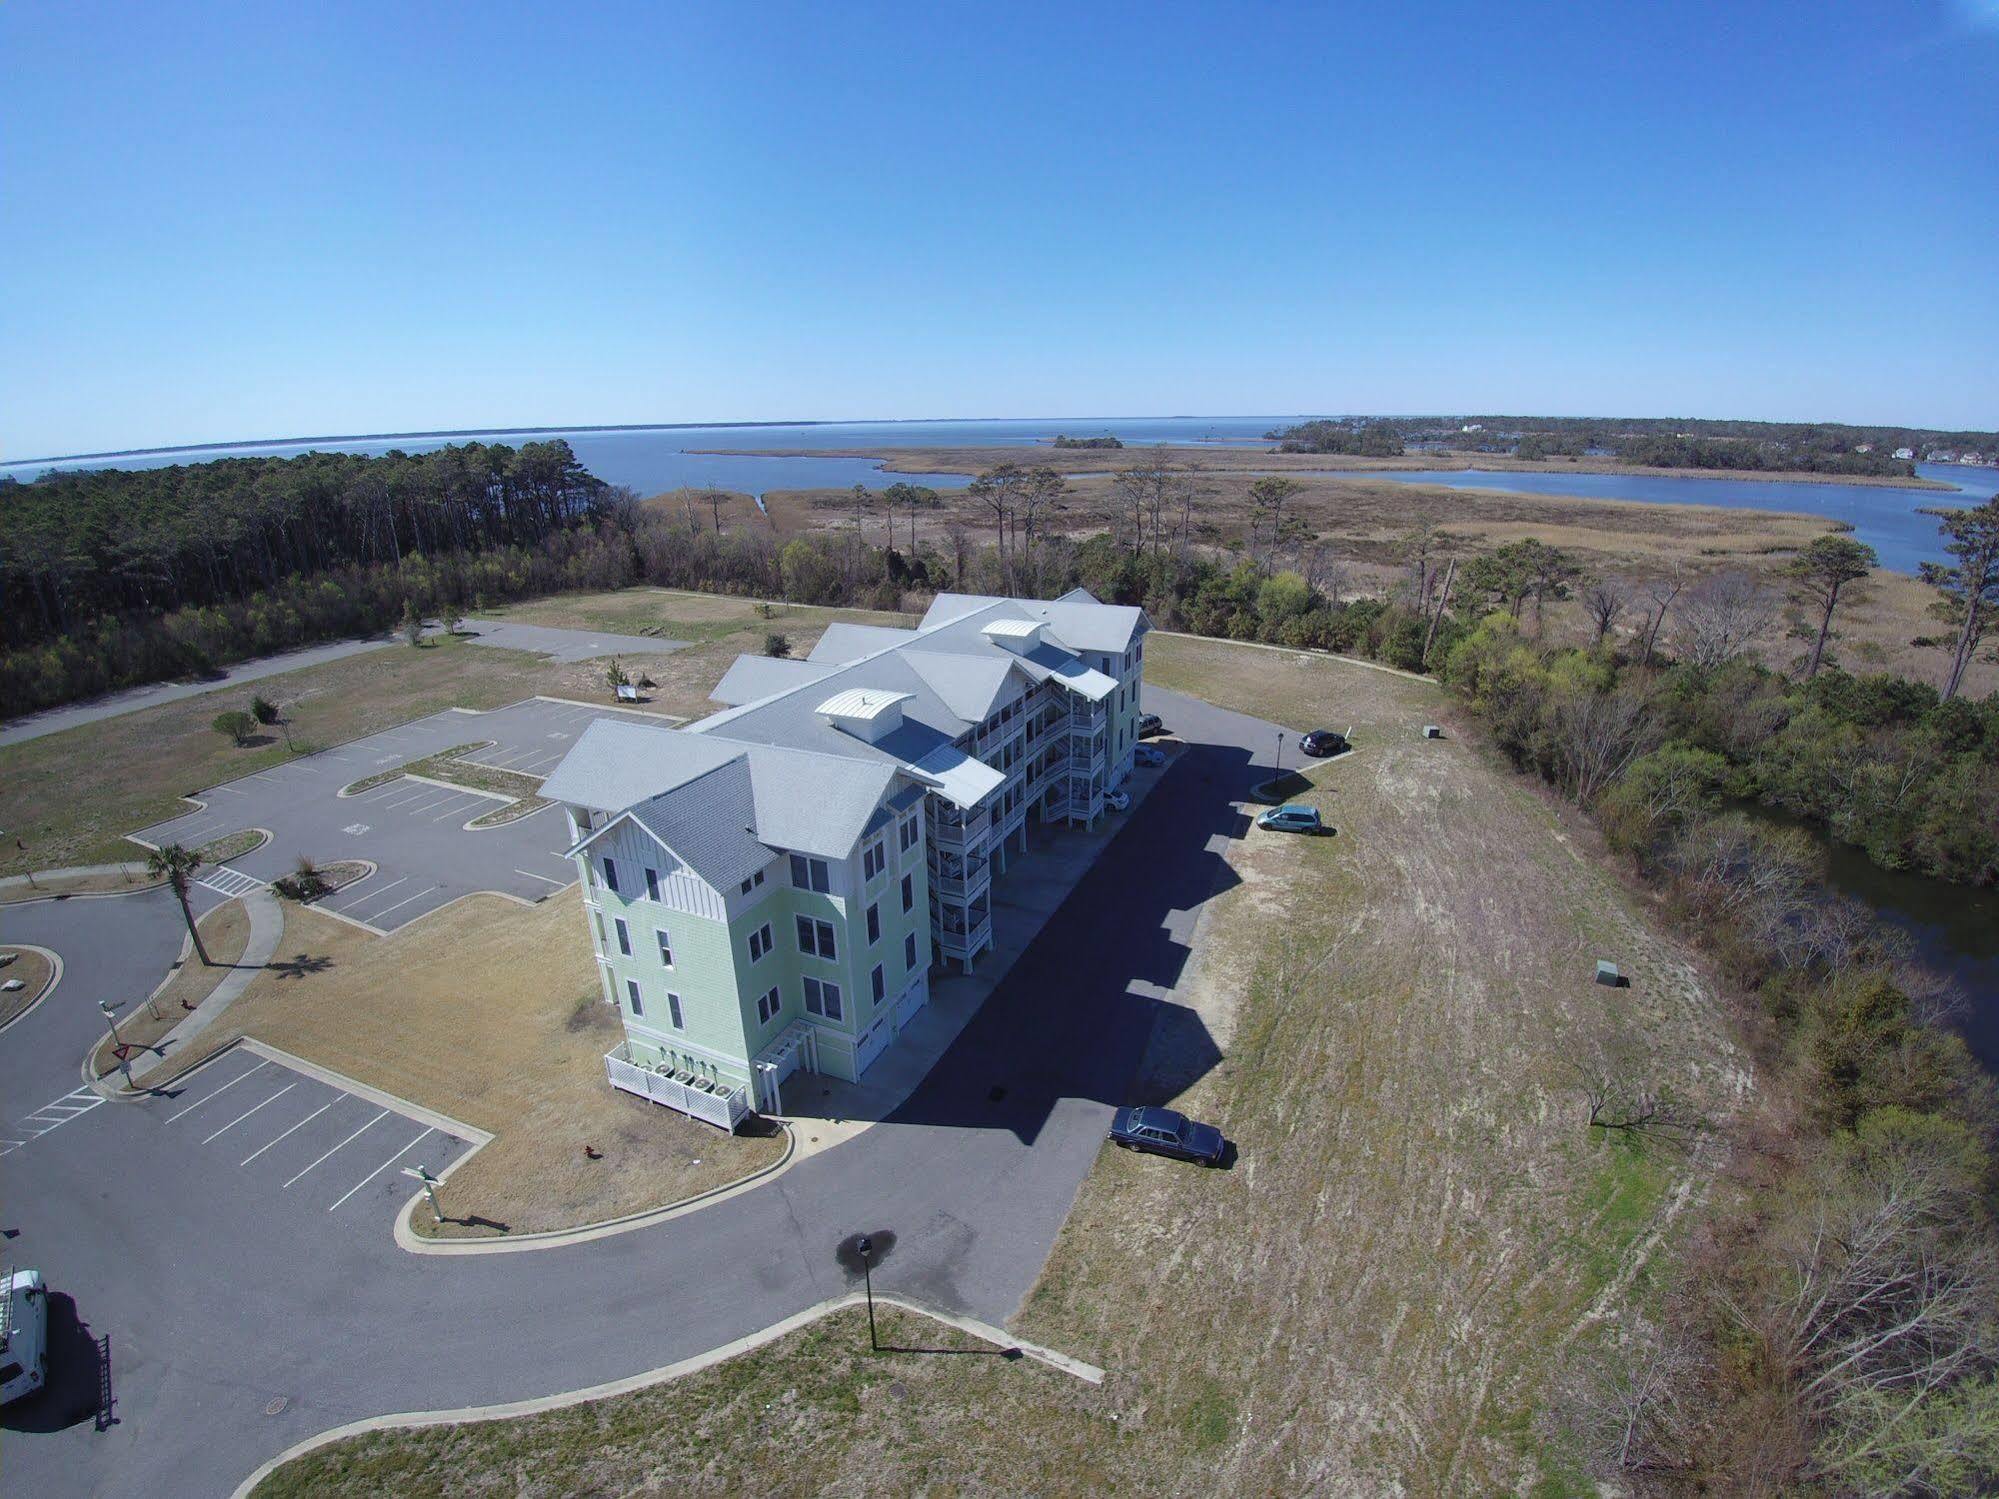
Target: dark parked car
1164	1132
1148	723
1324	742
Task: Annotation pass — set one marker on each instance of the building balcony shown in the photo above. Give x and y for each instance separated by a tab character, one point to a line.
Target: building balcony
969	834
958	876
965	942
721	1104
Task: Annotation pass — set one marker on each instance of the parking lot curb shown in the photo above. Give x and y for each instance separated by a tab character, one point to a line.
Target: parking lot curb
666	1373
556	1238
55	977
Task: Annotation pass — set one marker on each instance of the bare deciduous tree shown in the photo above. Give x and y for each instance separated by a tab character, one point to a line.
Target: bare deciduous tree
1660	593
1597	735
1719	617
1604	600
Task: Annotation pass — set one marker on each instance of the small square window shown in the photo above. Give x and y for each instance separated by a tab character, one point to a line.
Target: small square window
758	878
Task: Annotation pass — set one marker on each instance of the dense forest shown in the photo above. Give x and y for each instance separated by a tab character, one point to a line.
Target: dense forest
120	576
1652	442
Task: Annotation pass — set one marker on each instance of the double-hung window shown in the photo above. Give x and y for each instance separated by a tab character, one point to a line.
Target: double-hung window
906	836
767	1007
665	946
652	883
909	951
908	891
810	874
822	999
760	943
611	876
624	935
632	993
673	1010
816	938
874	859
874	925
880	984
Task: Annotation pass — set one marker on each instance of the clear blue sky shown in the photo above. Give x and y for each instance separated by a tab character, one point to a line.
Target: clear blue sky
265	220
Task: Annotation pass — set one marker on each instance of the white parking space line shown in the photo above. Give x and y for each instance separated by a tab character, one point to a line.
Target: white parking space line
457	811
401	903
229	790
433	802
542	877
351	1138
248	1112
219	1091
294	1129
383	890
381	1168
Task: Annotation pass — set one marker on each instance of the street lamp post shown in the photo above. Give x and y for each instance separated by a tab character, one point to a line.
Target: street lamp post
117	1046
1280	752
865	1248
429	1189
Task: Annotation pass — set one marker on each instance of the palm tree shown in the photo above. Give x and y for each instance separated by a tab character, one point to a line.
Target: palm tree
177	864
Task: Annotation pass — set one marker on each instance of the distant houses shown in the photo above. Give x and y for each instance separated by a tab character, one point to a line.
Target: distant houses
1905	453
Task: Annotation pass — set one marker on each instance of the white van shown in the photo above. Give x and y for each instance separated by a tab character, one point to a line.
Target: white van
24	1334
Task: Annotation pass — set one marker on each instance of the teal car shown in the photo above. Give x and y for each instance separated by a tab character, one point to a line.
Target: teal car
1291	819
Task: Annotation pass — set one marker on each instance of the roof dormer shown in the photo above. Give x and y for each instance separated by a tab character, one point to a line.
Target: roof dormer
1017	635
868	713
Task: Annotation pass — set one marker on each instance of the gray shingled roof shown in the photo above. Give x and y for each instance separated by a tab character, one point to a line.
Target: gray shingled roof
616	762
969	686
814	803
1074	623
842	643
707	823
753	677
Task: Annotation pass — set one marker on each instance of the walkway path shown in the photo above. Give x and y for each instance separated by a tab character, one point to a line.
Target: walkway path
55	720
267	927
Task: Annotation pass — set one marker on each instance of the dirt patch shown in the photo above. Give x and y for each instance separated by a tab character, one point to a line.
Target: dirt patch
225	931
489	1012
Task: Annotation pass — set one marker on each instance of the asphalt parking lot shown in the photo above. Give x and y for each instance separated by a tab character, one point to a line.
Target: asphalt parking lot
414	832
313	1146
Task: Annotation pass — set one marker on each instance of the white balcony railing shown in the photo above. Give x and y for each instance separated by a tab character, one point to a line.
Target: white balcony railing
965	943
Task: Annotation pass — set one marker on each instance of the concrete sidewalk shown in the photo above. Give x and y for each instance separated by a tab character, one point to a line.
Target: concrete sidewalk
267	926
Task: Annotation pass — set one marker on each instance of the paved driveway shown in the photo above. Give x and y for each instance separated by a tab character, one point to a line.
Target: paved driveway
237	1327
414	832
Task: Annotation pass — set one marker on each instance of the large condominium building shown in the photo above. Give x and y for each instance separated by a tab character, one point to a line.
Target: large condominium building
768	889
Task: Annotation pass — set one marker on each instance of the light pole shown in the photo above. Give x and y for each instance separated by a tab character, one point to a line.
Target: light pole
865	1248
1280	752
429	1189
117	1046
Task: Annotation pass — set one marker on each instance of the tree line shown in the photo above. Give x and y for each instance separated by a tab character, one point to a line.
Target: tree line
86	546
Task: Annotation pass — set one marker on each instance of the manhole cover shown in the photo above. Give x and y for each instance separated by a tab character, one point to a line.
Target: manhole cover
275	1406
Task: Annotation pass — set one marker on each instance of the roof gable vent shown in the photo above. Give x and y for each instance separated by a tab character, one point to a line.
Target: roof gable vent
868	713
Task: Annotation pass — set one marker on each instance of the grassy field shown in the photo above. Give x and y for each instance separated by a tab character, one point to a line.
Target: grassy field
489	1011
1419	1235
71	798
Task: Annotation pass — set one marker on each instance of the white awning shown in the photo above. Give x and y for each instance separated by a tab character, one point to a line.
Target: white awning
1085	680
957	775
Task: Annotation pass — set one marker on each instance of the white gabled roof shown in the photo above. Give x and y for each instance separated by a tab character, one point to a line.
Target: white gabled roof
756	677
957	775
1013	629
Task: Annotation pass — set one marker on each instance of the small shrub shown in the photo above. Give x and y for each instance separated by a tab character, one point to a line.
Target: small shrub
778	646
236	725
263	710
303	884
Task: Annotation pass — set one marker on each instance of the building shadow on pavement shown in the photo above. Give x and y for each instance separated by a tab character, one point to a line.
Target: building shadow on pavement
1073	1017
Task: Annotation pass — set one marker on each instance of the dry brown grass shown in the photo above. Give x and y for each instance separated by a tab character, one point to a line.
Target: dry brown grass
490	1012
225	931
32	970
